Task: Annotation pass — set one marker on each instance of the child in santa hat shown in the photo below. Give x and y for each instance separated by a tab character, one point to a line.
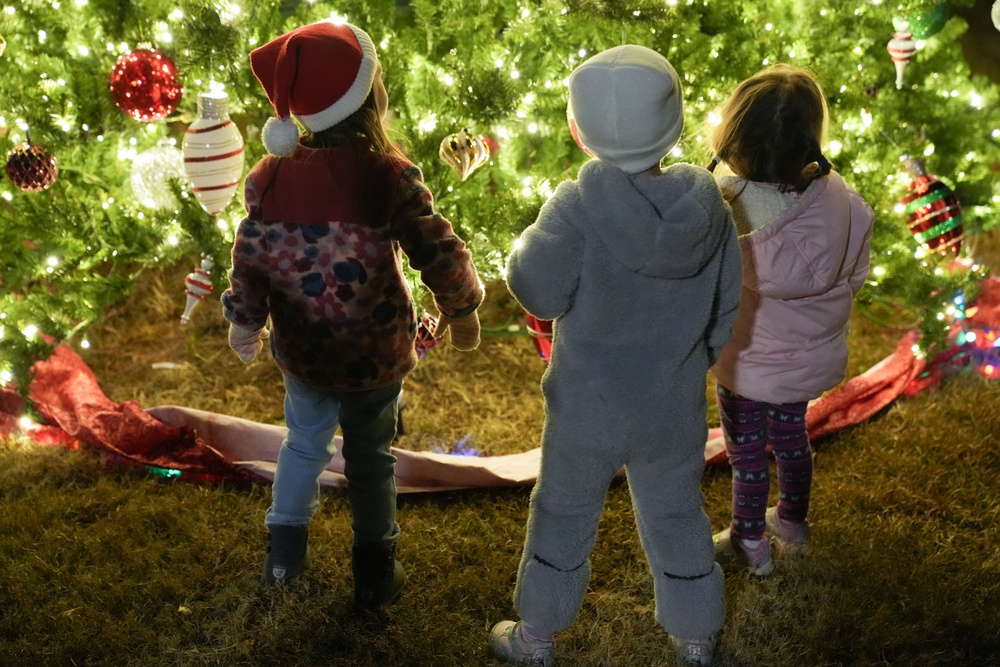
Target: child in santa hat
329	214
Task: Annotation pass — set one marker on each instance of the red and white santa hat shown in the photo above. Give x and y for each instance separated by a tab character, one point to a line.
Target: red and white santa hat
321	72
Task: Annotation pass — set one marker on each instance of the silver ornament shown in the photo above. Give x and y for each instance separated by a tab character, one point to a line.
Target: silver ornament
152	171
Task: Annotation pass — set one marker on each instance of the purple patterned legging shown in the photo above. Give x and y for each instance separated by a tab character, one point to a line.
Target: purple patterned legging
749	426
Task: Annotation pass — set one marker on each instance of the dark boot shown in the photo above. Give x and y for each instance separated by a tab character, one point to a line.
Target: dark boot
378	576
286	553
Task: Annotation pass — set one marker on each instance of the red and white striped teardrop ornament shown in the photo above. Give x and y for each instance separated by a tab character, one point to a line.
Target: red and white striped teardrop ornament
213	153
901	48
197	286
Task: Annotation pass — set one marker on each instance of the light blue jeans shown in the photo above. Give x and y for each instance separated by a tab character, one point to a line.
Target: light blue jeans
368	423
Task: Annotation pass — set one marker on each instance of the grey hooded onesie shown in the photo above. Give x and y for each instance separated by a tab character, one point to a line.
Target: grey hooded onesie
642	275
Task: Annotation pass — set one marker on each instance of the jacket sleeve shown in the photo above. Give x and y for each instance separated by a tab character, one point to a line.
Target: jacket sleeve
543	269
245	303
433	249
727	295
862	221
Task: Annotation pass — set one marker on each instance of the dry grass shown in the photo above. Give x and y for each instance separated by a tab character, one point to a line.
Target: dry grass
105	566
496	388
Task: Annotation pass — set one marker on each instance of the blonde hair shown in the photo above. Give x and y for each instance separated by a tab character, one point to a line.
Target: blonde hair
772	128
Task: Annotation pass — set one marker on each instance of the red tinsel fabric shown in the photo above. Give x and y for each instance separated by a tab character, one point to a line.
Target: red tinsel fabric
67	393
209	446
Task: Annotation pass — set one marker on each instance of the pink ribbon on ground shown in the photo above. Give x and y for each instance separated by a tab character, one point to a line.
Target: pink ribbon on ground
208	446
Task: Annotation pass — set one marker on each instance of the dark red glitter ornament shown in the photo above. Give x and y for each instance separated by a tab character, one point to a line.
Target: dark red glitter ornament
32	169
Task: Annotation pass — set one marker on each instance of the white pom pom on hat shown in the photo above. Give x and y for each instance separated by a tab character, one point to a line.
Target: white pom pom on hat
627	105
321	72
280	136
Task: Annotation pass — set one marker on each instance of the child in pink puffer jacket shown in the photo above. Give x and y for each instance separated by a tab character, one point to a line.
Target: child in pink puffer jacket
804	236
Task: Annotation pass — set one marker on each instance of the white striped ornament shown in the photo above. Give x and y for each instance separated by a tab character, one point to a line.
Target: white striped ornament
197	286
901	48
213	153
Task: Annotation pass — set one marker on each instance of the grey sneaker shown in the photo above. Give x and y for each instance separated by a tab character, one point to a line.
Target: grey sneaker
509	645
694	651
790	538
731	550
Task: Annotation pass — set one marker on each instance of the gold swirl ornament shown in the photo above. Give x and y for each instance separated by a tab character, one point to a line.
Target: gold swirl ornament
464	152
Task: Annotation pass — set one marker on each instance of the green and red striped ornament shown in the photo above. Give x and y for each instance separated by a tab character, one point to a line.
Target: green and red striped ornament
933	213
213	153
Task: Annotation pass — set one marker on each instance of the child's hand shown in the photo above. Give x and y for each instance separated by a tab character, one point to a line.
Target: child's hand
246	343
464	331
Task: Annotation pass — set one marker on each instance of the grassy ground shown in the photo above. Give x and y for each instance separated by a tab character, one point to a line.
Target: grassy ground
105	566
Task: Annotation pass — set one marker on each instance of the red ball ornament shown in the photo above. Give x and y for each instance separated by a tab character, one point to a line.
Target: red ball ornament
32	169
425	339
933	211
144	85
571	120
541	335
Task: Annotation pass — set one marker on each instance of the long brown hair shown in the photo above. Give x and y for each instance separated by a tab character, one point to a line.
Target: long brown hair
364	126
772	128
364	131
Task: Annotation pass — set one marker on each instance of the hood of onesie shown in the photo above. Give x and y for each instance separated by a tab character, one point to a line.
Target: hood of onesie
666	226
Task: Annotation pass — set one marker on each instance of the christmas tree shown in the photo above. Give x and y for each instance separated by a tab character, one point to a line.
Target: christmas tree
97	95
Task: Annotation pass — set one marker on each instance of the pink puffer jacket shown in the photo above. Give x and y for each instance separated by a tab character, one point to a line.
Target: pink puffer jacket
801	273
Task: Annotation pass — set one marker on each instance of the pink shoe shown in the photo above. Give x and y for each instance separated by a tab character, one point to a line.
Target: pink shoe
791	538
755	555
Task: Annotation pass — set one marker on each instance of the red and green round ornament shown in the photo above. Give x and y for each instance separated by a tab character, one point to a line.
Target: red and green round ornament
933	213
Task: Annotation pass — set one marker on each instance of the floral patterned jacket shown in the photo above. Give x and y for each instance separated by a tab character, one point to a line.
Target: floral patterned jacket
320	253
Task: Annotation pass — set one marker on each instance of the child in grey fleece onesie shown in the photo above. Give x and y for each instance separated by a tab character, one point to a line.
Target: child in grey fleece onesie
640	270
